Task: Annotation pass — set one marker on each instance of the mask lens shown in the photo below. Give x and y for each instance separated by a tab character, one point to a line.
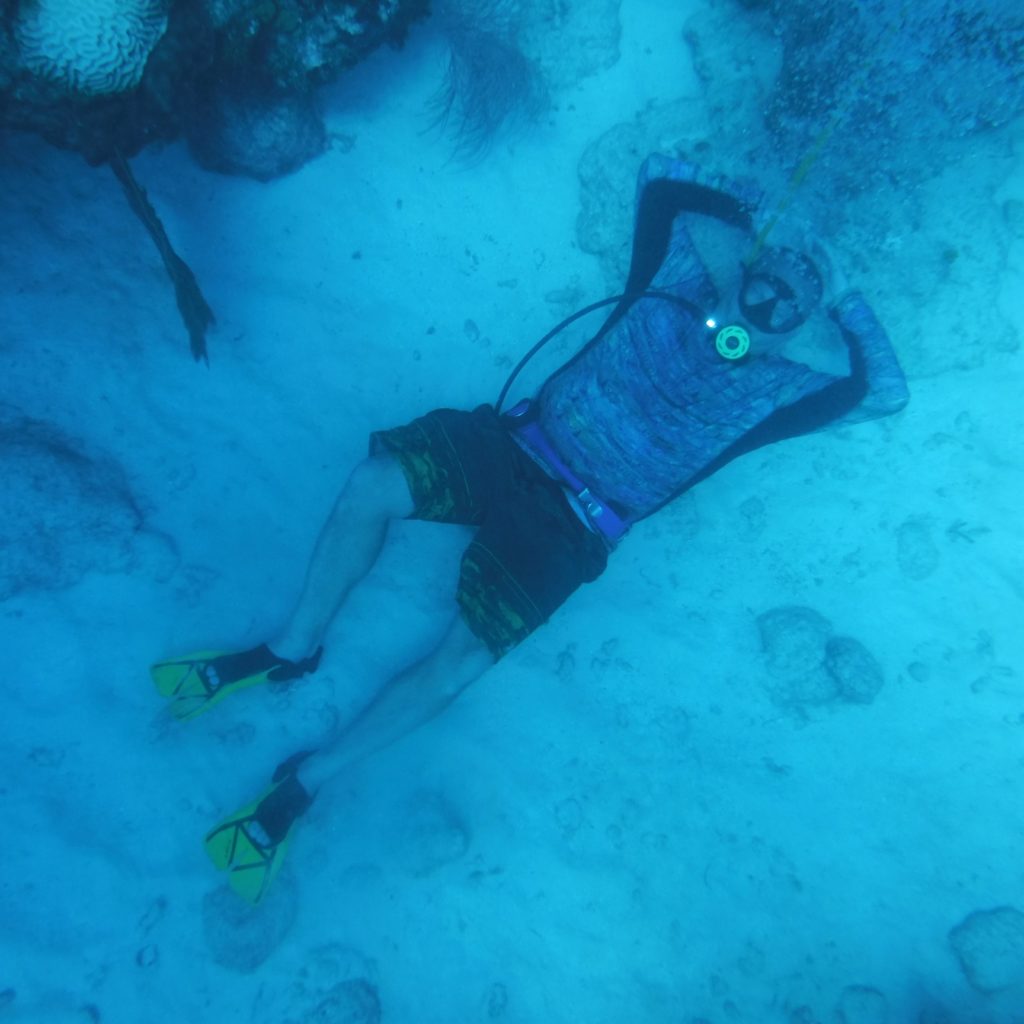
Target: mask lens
779	290
757	291
785	315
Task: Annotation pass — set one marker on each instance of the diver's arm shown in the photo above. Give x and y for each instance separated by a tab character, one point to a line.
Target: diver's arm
872	359
874	387
837	398
666	188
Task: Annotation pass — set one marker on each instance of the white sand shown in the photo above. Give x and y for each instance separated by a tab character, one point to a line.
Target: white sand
650	838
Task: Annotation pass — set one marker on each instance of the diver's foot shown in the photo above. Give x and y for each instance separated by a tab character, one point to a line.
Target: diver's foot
285	803
277	812
196	682
251	843
288	669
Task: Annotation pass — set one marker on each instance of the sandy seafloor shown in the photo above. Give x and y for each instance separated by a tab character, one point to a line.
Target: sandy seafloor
617	824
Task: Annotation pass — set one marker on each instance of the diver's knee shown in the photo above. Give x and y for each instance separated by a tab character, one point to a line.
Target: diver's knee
464	657
378	485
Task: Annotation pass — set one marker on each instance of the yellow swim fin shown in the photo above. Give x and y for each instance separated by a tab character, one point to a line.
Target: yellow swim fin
251	862
195	682
251	843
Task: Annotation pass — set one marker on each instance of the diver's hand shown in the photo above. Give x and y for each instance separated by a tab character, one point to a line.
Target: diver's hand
835	284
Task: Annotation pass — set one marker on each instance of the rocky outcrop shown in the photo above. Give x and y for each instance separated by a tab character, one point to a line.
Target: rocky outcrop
235	77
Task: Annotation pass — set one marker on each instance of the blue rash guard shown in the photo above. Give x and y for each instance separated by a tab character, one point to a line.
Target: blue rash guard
648	408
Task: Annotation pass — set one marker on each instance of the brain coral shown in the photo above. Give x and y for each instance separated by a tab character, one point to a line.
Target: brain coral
93	47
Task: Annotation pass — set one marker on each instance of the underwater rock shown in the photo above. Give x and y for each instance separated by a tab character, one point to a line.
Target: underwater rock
865	62
348	1002
335	985
860	1004
262	137
64	511
730	114
916	553
607	171
152	68
810	666
793	640
571	41
433	834
989	944
855	670
239	936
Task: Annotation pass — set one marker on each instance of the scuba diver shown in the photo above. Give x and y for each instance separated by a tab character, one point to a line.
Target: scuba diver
685	374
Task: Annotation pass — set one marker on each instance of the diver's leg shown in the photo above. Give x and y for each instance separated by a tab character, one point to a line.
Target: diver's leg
404	703
375	493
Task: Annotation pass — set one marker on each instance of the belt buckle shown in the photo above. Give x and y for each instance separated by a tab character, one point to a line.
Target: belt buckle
591	505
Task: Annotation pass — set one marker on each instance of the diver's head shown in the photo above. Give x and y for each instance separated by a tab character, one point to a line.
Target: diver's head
779	288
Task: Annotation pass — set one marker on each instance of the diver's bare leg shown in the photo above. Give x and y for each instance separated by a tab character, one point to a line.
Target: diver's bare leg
375	493
404	703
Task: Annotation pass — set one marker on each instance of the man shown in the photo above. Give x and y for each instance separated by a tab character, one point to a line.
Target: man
685	374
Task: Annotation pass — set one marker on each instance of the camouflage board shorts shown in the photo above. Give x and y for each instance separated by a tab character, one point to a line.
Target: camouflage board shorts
530	550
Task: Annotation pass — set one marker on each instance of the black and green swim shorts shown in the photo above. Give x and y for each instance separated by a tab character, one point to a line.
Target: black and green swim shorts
530	550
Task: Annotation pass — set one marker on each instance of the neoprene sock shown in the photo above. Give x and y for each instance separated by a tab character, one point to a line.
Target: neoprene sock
279	809
292	669
232	667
